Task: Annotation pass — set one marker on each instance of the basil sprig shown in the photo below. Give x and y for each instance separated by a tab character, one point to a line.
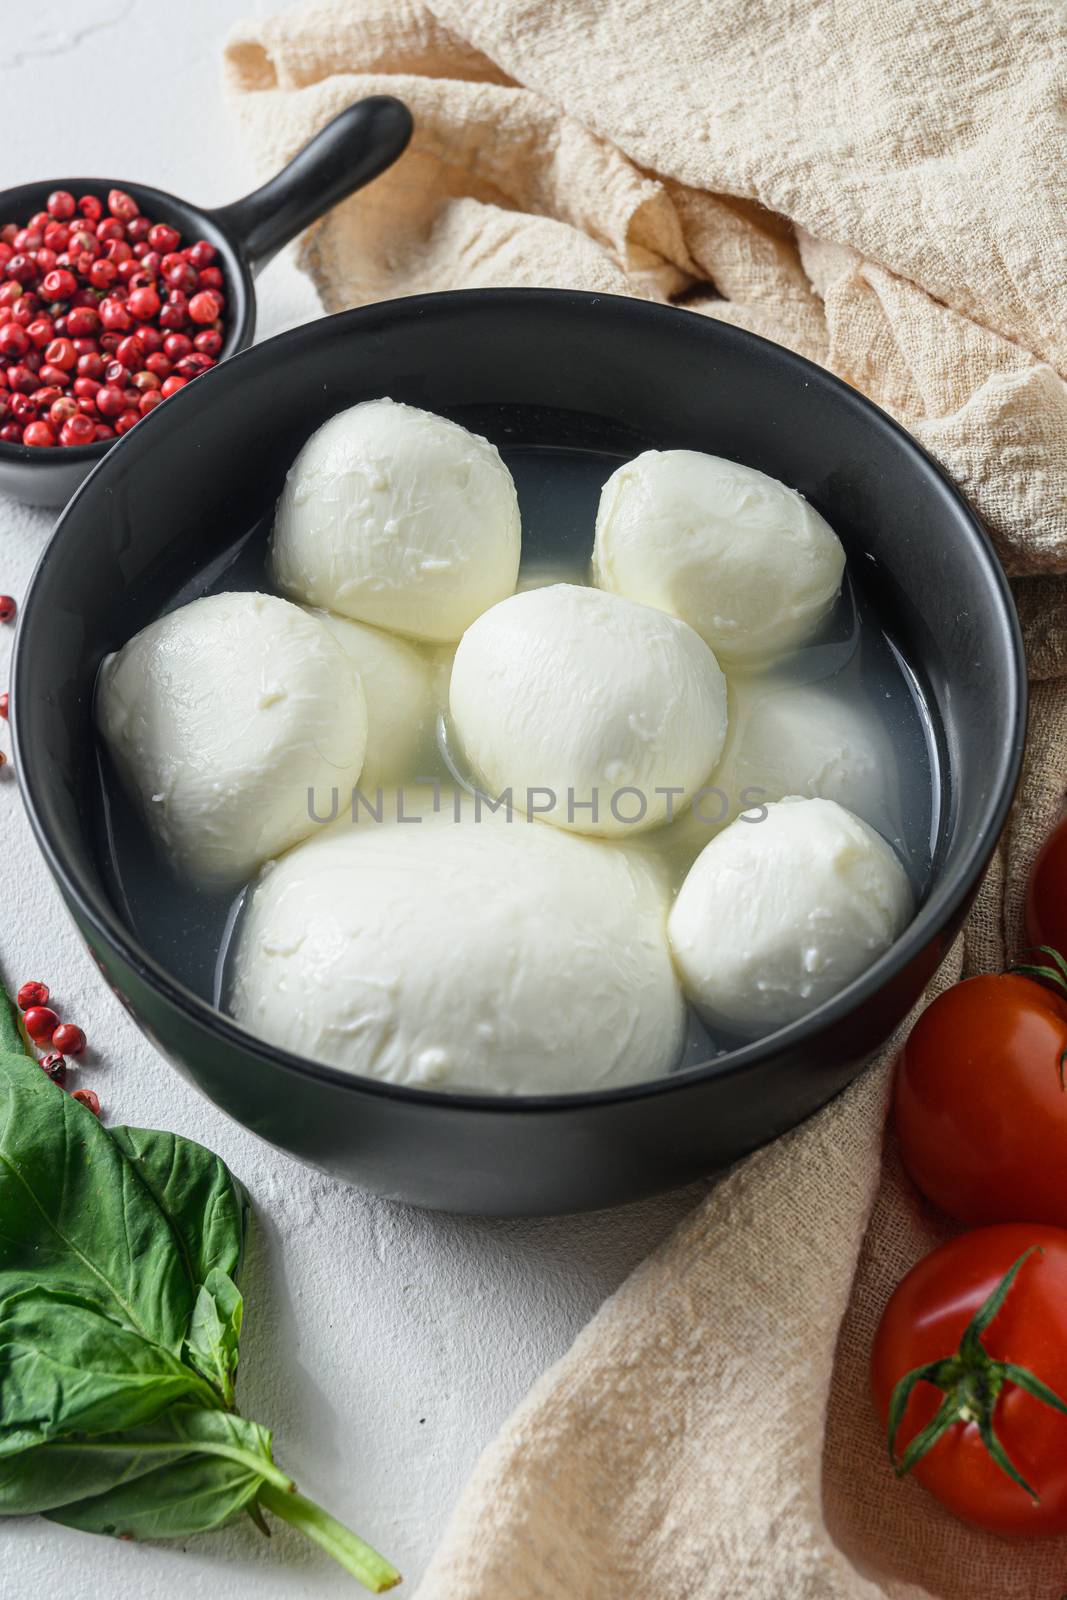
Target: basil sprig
120	1318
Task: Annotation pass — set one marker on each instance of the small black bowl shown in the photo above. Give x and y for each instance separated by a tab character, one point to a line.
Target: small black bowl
358	144
526	367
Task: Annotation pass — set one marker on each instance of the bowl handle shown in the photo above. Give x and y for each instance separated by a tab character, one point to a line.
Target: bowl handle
348	152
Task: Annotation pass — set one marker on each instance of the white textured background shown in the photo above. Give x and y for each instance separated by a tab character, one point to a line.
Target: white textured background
384	1345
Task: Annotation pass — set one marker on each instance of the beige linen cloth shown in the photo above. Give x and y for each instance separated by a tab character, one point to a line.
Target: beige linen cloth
879	184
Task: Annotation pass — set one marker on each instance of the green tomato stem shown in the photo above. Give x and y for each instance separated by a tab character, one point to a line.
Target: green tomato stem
346	1548
971	1382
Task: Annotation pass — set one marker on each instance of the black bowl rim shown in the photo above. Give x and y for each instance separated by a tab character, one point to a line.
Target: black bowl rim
945	900
238	338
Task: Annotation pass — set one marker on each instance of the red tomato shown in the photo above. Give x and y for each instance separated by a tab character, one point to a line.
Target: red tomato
925	1322
1046	898
980	1105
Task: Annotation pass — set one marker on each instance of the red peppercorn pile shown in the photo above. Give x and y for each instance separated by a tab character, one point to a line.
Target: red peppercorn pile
103	314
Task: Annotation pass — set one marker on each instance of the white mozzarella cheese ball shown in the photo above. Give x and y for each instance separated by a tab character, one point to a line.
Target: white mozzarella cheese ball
802	739
220	718
398	518
742	558
397	679
777	916
568	696
786	739
481	955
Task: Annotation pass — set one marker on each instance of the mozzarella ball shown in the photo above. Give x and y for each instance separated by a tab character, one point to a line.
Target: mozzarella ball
220	718
397	681
482	955
801	739
785	739
399	518
776	916
569	697
742	558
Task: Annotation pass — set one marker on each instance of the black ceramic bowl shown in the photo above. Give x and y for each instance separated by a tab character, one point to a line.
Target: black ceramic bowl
358	144
527	367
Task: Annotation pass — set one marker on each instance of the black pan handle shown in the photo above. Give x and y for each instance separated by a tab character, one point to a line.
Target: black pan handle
360	142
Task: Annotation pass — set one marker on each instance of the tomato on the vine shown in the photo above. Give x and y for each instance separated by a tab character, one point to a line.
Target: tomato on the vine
1046	897
969	1374
980	1102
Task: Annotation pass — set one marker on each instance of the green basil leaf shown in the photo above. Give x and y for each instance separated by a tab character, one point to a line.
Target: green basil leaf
193	1496
76	1215
215	1332
11	1041
201	1199
117	1257
71	1471
227	1463
65	1368
59	1474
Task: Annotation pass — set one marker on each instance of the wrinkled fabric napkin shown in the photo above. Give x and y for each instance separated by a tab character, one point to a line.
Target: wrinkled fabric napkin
882	186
